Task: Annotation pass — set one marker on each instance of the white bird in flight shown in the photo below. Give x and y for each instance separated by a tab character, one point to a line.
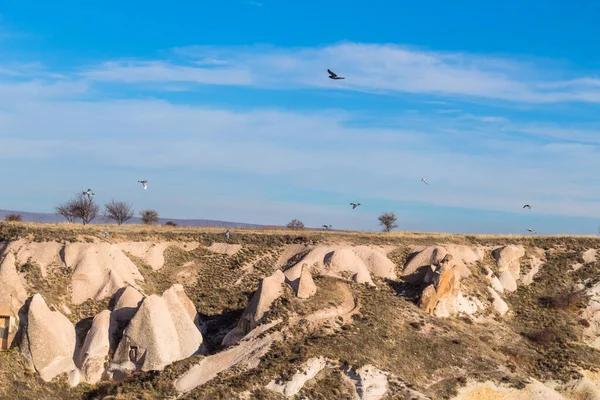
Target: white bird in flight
354	205
144	184
531	231
424	181
89	194
327	227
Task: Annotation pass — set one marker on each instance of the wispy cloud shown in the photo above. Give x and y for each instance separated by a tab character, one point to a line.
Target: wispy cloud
131	72
255	3
305	162
367	67
301	151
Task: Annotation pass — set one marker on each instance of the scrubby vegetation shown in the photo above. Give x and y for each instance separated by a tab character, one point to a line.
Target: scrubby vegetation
149	217
541	336
13	218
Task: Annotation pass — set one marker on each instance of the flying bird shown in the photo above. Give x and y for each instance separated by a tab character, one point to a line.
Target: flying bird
333	75
328	227
531	231
144	184
89	194
527	206
424	181
354	205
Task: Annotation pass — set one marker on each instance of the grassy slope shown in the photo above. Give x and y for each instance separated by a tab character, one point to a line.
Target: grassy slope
432	354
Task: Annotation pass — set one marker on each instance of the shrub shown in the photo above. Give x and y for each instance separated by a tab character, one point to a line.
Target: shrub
81	206
295	224
388	220
13	218
118	211
170	223
149	216
66	210
570	298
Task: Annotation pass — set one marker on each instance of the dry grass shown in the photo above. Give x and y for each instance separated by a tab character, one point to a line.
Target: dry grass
433	354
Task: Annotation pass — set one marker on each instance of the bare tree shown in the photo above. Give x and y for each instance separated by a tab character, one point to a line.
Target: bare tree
84	207
388	220
13	218
118	211
66	210
149	216
295	224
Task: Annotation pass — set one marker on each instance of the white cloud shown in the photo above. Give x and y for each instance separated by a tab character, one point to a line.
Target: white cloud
367	67
266	150
131	72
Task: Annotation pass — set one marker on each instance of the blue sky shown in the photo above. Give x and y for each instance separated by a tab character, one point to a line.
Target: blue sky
226	109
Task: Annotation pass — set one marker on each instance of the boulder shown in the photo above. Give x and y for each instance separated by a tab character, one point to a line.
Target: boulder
416	268
508	281
362	262
94	352
589	256
376	261
371	383
100	269
428	299
246	355
306	285
12	293
499	304
346	260
126	305
293	386
50	340
161	332
508	259
42	254
269	290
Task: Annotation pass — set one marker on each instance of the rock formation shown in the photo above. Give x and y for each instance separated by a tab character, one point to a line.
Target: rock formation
100	269
50	340
93	357
269	290
161	332
126	304
307	372
306	285
12	293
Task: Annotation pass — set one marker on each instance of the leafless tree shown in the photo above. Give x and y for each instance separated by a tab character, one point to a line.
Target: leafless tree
66	210
13	218
295	224
118	211
84	207
149	216
388	220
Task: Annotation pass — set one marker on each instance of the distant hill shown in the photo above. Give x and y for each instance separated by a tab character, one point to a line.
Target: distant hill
48	218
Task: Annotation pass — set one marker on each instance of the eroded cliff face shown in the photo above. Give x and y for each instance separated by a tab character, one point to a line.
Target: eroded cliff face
323	315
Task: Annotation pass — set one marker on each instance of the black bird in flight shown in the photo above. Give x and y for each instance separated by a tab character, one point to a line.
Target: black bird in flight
354	205
333	75
527	206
